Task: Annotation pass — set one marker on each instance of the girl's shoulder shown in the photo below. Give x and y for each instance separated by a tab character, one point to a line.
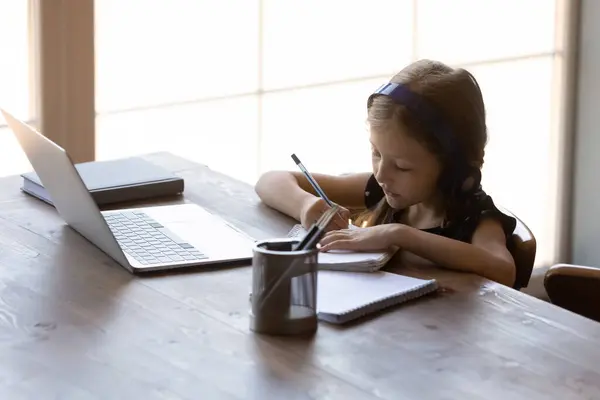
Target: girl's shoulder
481	205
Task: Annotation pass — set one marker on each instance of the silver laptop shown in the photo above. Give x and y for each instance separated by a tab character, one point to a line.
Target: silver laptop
139	239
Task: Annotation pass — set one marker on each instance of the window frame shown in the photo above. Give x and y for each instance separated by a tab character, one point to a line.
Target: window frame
63	77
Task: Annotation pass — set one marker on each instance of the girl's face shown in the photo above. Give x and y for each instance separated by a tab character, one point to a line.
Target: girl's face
405	169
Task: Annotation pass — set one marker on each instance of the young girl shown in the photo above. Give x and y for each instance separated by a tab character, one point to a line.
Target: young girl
427	134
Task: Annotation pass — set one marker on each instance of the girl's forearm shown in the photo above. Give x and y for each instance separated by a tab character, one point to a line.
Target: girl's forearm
280	190
454	254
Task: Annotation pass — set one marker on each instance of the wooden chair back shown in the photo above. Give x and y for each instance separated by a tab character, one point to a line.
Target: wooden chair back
522	247
575	288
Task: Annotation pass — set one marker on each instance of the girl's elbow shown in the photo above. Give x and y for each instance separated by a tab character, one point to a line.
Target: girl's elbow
507	273
259	188
265	182
263	177
270	183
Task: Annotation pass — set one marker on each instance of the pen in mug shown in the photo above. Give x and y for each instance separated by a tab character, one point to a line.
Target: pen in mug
314	183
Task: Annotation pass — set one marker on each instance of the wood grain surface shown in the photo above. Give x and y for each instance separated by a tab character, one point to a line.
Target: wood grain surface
75	325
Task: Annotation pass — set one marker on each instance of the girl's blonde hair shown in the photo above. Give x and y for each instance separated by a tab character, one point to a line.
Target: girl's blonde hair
456	96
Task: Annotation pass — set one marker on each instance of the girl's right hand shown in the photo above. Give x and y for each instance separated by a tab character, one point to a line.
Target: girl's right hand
315	207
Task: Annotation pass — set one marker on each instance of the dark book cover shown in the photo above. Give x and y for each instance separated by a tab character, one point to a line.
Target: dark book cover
116	181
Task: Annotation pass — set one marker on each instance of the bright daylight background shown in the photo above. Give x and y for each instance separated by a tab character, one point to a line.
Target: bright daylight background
239	85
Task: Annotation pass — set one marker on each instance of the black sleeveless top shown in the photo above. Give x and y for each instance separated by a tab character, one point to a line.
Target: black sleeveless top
482	206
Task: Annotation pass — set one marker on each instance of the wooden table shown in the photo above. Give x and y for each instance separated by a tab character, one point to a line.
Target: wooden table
75	325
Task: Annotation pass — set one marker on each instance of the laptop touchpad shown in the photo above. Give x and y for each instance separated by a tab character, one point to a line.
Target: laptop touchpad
214	240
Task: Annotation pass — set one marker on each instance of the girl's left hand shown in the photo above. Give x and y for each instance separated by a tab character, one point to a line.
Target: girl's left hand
374	238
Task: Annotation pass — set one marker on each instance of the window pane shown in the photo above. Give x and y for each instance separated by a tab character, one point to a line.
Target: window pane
159	52
15	87
220	134
520	159
459	31
324	126
12	158
307	42
14	61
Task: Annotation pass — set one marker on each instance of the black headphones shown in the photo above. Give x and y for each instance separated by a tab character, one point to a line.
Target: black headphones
459	180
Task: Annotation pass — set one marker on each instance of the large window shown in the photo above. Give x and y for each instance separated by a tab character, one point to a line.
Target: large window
238	85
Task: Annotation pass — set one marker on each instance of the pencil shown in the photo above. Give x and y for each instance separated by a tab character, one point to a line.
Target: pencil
314	183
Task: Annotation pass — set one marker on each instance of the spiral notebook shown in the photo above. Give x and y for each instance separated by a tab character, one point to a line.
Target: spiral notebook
345	296
344	260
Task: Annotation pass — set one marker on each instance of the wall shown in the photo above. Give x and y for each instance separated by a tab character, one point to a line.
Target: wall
585	226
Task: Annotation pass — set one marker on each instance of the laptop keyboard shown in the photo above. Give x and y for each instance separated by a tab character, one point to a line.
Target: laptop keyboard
149	242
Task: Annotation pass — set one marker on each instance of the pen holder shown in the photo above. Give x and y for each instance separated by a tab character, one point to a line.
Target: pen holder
284	288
